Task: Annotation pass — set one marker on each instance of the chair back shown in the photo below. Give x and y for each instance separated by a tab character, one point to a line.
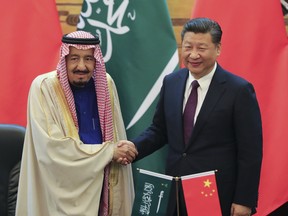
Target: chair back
11	146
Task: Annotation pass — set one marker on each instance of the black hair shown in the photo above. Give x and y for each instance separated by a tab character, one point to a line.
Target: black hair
203	25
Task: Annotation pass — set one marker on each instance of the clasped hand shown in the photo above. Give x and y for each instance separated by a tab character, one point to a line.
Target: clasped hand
240	210
124	152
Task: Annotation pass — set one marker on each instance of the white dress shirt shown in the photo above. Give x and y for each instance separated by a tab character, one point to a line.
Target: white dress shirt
204	83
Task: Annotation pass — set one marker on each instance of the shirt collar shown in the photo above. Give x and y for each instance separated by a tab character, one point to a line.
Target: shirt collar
204	81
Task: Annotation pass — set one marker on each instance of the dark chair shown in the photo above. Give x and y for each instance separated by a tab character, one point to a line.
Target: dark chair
11	146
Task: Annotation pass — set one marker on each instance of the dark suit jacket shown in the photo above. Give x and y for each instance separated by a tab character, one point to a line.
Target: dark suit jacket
227	136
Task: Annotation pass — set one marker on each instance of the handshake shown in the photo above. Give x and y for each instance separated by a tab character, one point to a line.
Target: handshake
124	152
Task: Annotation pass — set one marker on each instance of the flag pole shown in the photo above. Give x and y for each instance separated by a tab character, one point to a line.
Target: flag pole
177	195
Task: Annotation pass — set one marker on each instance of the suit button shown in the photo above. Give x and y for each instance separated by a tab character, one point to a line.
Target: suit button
184	154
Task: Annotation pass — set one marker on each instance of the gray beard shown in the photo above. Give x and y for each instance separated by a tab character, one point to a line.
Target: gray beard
79	84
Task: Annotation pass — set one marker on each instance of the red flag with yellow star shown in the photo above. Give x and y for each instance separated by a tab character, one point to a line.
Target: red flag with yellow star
30	41
201	195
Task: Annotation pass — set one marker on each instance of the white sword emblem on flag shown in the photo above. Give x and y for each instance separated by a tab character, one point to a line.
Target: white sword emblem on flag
159	201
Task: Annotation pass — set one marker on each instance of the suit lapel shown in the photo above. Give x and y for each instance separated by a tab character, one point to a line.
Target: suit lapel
177	94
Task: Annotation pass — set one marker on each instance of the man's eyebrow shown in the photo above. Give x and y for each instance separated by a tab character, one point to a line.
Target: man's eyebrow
72	54
202	44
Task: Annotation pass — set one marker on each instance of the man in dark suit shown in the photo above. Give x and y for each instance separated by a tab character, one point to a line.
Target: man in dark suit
227	131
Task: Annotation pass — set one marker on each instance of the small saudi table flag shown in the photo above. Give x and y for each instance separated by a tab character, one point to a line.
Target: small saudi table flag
152	193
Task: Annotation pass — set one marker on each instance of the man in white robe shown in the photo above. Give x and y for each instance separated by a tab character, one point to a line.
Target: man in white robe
60	175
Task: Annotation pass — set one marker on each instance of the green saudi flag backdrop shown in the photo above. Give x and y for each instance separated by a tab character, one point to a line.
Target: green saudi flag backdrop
139	49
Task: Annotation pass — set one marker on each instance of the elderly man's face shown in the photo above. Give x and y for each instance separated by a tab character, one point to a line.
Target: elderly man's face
80	65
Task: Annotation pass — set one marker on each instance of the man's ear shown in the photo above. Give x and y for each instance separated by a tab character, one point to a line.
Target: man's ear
218	49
